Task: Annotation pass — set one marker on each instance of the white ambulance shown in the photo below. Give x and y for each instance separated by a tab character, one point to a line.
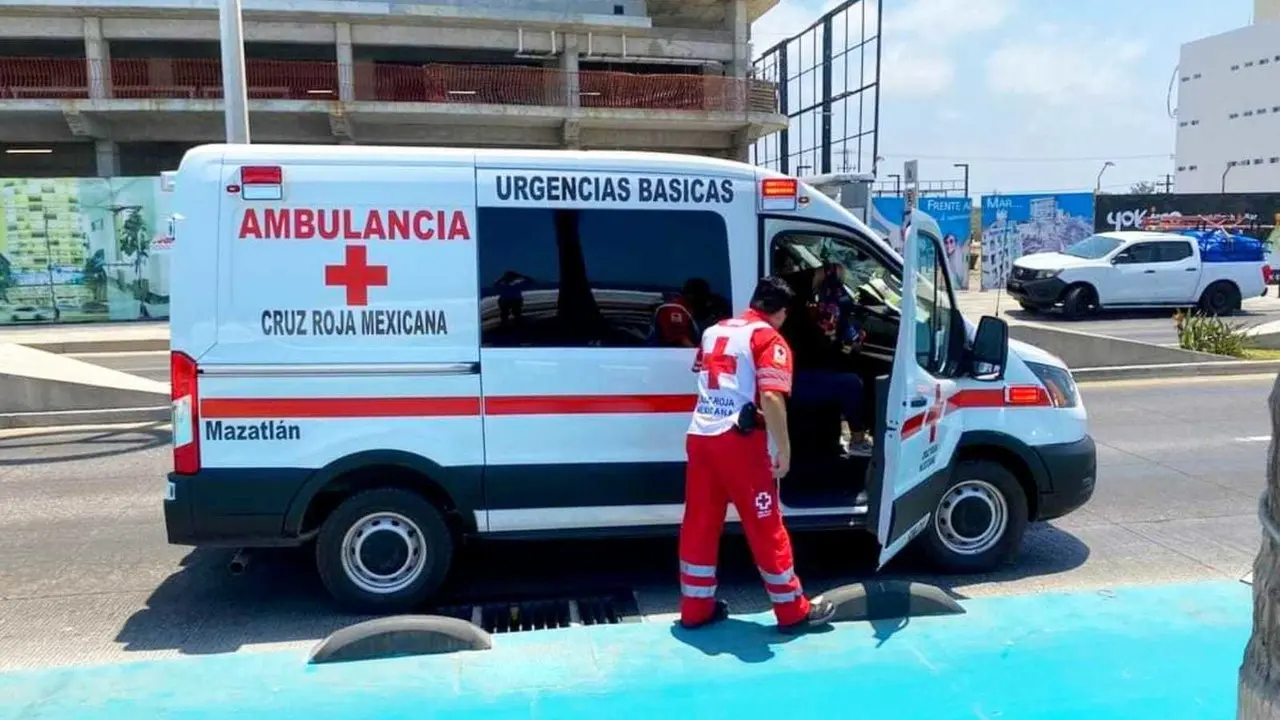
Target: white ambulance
382	351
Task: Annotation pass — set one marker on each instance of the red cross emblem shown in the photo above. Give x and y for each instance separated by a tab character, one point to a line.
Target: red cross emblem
934	413
719	363
357	275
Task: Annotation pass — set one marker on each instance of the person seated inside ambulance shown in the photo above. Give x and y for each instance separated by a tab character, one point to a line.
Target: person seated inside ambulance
681	318
825	333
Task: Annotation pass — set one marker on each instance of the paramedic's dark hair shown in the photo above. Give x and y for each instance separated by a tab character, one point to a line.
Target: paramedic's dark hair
771	295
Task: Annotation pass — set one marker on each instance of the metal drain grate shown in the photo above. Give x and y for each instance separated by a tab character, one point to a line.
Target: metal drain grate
501	616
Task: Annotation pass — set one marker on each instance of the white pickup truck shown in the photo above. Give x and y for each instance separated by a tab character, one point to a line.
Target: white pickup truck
1135	269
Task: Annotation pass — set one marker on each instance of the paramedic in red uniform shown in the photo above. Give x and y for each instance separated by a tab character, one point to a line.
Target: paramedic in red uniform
743	366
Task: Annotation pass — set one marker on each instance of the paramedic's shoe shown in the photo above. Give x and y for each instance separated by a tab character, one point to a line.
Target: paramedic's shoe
821	611
720	614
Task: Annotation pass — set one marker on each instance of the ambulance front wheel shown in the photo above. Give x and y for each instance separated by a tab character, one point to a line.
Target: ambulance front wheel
384	551
979	521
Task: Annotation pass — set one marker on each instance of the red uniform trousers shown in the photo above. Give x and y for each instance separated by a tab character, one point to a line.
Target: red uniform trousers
734	468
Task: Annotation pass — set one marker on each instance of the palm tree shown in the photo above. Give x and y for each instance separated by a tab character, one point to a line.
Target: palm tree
135	240
1259	697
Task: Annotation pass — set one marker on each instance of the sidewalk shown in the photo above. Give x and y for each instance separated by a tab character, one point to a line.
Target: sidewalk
1161	652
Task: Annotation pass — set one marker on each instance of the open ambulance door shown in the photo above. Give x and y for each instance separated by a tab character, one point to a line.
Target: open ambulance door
920	429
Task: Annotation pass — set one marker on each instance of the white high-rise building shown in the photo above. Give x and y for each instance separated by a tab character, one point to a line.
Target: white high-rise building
1228	137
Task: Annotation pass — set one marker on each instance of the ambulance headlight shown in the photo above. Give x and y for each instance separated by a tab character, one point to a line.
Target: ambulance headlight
1045	274
1059	384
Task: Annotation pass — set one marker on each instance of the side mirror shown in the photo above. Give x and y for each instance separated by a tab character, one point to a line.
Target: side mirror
990	351
1120	258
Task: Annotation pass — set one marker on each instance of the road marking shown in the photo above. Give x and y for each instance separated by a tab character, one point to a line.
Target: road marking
1254	439
1190	380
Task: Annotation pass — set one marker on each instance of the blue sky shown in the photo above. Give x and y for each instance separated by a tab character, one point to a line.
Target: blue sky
1034	94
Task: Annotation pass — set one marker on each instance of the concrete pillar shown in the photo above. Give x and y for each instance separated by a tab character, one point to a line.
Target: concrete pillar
108	154
346	65
569	68
98	59
736	19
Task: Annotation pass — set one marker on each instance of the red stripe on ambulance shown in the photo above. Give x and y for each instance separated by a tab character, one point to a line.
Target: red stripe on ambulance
424	407
1014	396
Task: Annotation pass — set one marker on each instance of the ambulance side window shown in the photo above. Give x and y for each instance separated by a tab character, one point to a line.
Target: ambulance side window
601	278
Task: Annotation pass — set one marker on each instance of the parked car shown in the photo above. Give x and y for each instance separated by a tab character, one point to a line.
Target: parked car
1140	269
31	313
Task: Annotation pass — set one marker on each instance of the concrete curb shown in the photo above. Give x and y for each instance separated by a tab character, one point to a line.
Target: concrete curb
106	416
102	346
1176	370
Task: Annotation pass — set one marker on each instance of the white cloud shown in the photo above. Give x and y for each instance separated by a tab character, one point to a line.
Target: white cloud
921	40
941	22
1063	71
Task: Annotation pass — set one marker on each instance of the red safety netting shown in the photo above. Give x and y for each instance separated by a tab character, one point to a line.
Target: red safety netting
434	83
202	78
43	78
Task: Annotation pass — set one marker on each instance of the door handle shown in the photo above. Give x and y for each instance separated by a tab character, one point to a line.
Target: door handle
1148	272
919	401
1192	269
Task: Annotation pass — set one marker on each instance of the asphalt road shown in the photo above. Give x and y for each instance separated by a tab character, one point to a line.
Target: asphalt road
1151	326
86	575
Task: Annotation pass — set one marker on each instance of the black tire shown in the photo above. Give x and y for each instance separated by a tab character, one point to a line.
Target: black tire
435	545
1220	298
1029	307
1079	302
985	557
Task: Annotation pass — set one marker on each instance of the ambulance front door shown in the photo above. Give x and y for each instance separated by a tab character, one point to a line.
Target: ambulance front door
919	428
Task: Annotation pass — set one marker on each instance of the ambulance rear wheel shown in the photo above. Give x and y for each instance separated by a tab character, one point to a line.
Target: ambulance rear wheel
979	521
384	551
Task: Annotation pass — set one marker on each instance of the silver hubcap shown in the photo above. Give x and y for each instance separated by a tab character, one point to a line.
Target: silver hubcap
954	520
383	553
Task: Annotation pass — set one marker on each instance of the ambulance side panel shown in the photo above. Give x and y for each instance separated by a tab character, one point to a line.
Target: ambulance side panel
193	262
585	424
346	333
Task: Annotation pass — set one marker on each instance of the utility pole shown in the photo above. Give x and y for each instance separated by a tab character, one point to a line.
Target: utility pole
1168	183
897	183
965	167
235	100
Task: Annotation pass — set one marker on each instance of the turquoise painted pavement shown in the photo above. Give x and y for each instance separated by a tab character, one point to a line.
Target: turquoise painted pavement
1165	652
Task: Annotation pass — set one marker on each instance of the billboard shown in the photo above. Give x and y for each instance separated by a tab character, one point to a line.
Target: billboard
954	219
83	250
1017	225
1253	214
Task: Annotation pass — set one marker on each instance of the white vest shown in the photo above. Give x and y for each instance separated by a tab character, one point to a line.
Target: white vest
727	380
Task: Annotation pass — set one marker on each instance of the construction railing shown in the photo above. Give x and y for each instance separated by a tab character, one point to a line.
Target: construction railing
156	78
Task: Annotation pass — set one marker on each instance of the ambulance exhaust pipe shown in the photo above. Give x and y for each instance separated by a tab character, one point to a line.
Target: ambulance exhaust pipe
239	562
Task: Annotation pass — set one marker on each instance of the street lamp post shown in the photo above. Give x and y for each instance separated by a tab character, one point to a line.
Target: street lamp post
235	101
1226	170
1097	186
897	183
965	167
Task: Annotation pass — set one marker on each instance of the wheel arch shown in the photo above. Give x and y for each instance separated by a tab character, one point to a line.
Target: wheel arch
1014	455
1086	284
457	492
1221	281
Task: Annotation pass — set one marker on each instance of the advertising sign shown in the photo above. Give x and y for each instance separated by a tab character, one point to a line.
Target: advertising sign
1252	214
1017	225
952	215
83	249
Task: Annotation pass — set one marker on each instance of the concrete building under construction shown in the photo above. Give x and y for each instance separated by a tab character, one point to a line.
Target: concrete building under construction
124	87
